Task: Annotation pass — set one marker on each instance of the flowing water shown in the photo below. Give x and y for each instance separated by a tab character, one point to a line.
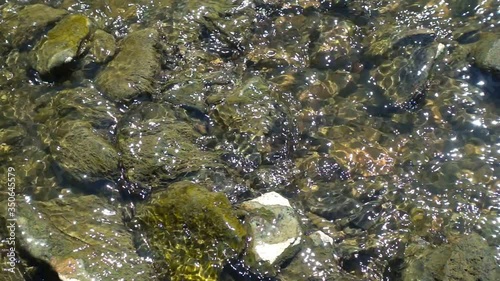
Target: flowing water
378	120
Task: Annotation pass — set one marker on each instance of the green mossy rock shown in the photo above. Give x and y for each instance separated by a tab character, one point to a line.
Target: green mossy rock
158	148
193	231
62	44
83	154
132	71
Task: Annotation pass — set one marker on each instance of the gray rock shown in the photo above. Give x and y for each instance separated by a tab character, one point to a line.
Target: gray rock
317	260
103	46
132	71
83	238
467	259
275	229
487	52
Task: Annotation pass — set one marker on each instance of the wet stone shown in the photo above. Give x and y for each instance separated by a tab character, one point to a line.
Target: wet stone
315	261
27	24
468	259
275	229
83	155
486	53
102	46
62	44
82	238
131	73
158	148
78	104
336	46
192	231
256	123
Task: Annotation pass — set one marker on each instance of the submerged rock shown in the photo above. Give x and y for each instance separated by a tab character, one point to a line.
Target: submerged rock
192	231
316	261
158	148
486	53
381	42
337	45
467	259
62	44
131	73
82	154
24	26
82	238
79	104
275	229
256	121
103	46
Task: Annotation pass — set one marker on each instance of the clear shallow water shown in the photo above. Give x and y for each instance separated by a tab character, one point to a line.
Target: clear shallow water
427	174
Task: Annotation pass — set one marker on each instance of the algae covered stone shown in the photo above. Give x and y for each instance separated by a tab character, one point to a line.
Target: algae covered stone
192	231
157	147
131	73
82	154
62	44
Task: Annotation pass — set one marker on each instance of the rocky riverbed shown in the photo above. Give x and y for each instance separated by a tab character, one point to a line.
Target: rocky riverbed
250	140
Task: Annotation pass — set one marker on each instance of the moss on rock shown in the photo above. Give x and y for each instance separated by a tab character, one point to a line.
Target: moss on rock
194	231
132	71
62	43
82	154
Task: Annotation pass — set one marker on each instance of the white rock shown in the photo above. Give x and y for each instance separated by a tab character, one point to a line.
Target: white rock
270	252
320	238
275	228
272	198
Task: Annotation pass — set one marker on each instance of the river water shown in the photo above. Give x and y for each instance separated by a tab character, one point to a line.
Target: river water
378	120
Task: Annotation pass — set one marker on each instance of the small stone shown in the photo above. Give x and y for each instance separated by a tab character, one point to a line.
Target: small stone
275	228
103	46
